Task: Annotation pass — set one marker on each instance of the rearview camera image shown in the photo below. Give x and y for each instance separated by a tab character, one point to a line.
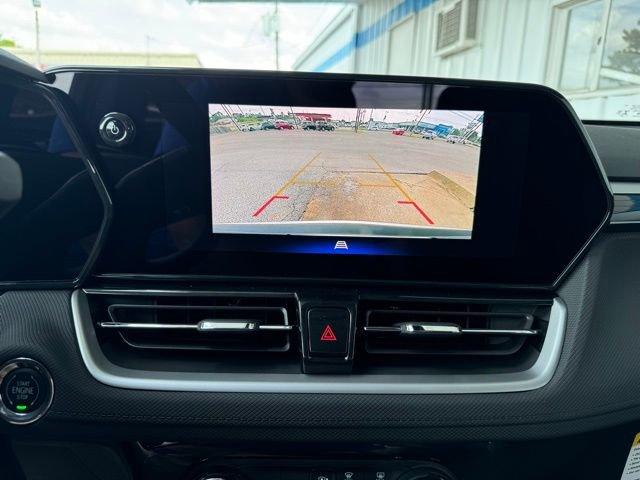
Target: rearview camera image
344	171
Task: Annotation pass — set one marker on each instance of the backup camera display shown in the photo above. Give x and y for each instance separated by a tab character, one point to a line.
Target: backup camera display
344	171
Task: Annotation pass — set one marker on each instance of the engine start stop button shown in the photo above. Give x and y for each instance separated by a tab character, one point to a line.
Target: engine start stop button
21	392
26	391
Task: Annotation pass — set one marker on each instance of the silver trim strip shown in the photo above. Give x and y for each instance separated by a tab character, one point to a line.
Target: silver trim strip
186	293
498	331
445	329
116	376
625	207
203	326
622	188
146	326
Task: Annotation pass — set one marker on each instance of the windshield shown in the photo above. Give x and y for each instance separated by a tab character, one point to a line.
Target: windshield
587	49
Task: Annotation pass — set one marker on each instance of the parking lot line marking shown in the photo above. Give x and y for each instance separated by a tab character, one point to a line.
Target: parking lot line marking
393	180
268	202
310	182
278	195
417	207
409	200
319	183
296	175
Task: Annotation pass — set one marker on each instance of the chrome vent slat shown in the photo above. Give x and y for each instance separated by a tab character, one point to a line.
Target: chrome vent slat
463	327
439	329
455	313
117	306
202	326
179	321
146	326
499	331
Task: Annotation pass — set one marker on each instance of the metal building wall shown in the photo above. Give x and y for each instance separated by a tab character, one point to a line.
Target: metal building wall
337	36
514	44
498	54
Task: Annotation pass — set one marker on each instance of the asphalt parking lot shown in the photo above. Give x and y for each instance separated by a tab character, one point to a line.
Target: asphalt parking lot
369	176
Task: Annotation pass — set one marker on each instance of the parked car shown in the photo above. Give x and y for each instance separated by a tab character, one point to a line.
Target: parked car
428	135
282	125
267	126
398	131
323	125
308	126
455	139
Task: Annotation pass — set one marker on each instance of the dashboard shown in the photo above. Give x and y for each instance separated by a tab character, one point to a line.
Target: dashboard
232	274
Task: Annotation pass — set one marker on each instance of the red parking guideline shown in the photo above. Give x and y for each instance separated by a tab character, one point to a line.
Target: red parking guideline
268	202
417	207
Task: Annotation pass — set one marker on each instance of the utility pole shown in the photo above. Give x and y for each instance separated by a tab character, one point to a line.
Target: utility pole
36	5
359	112
295	119
277	35
229	113
271	27
475	124
413	129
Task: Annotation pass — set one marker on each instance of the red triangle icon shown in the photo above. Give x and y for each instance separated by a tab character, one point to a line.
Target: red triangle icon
328	335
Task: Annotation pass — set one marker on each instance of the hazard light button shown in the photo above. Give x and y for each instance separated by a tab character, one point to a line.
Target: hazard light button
329	331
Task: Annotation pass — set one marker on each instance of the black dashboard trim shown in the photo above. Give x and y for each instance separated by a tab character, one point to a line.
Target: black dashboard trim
593	387
563	103
63	109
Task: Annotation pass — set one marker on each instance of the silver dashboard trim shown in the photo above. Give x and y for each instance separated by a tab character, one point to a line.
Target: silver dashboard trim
423	328
202	326
622	188
104	371
626	209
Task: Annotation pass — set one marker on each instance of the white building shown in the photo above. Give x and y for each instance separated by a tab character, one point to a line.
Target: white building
55	58
578	47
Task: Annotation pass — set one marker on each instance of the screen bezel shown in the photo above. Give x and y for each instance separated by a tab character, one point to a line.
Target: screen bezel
564	164
378	95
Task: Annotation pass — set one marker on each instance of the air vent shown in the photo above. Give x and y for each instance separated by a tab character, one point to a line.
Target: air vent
213	327
215	322
475	327
224	341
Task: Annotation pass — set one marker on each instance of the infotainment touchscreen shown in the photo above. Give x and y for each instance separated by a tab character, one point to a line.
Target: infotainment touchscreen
345	172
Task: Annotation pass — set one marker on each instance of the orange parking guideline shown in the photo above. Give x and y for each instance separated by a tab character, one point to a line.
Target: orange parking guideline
393	180
409	200
279	194
296	175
